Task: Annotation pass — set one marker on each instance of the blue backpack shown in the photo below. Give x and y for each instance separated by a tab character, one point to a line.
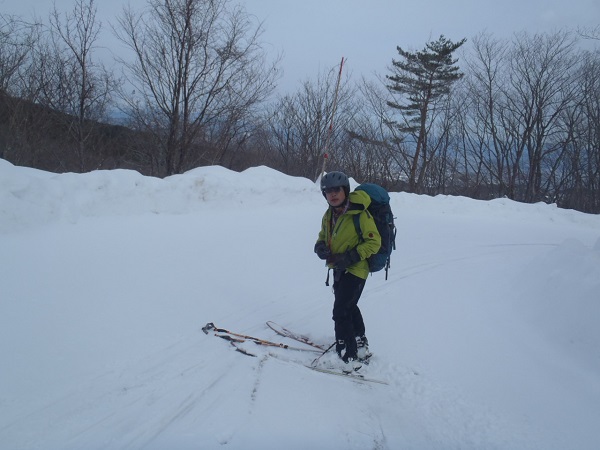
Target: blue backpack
384	220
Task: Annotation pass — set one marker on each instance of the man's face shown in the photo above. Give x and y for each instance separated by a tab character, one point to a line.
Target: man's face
335	196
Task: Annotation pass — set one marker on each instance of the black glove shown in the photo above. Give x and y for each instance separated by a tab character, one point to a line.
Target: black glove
342	261
322	250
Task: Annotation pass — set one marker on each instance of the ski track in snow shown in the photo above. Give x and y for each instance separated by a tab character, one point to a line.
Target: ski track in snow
486	330
408	390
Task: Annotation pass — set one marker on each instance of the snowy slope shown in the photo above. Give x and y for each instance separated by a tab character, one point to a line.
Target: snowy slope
486	329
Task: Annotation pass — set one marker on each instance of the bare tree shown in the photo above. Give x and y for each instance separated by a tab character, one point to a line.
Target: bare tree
65	77
374	152
198	72
541	85
584	192
299	124
17	41
483	136
590	32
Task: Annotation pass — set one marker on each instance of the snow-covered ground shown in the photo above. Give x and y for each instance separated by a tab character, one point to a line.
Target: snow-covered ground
486	331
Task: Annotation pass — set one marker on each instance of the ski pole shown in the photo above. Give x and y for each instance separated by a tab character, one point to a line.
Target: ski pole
211	327
316	360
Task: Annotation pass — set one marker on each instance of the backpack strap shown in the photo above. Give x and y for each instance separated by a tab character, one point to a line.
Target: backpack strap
356	220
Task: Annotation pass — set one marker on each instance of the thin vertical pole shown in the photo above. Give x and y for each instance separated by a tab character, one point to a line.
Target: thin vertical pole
330	130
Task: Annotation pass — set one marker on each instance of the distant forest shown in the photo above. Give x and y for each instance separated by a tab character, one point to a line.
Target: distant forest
483	118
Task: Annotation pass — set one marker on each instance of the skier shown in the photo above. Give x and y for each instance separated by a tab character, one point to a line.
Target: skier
345	252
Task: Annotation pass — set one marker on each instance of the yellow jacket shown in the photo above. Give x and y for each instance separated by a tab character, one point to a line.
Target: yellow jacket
343	236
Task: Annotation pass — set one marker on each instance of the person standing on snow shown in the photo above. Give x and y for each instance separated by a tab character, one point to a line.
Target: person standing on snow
345	252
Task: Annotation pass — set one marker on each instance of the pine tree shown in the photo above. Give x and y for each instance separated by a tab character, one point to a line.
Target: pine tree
422	78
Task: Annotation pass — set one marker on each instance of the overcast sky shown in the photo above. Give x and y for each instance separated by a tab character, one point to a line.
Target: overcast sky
313	35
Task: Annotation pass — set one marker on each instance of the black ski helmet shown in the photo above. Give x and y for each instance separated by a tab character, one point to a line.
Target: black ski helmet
335	179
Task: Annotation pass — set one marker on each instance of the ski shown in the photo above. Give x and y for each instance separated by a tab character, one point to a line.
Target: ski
282	331
354	376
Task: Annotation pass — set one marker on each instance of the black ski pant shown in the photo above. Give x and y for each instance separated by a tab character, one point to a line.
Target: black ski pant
348	319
